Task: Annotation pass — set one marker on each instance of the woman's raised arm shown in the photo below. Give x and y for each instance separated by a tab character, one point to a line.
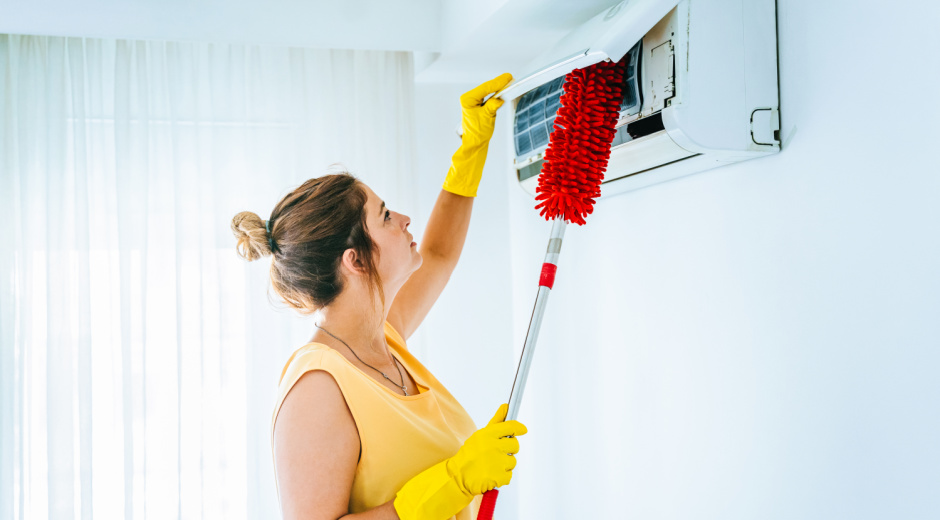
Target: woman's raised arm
440	248
447	226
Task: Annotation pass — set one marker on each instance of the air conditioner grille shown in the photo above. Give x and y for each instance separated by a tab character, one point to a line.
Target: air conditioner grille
535	117
535	111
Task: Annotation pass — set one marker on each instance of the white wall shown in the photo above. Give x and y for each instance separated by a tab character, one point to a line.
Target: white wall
757	341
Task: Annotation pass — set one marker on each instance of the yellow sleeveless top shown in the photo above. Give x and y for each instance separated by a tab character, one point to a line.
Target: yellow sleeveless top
400	435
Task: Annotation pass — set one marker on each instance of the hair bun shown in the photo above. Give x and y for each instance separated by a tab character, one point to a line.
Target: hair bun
252	236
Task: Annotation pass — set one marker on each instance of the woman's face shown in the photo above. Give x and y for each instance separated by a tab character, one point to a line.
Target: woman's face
398	253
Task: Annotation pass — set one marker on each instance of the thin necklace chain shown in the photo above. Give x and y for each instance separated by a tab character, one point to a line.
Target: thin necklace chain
402	385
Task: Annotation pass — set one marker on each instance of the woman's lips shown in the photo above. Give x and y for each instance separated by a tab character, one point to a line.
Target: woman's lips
414	244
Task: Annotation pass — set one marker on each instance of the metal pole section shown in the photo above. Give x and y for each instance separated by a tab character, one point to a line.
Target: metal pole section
535	322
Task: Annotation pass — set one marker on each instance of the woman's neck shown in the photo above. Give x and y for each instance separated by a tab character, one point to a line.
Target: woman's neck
355	324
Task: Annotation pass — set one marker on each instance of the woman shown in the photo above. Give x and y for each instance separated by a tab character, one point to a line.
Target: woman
361	429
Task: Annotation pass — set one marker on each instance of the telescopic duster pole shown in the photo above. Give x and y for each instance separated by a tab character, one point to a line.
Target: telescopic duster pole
569	183
546	281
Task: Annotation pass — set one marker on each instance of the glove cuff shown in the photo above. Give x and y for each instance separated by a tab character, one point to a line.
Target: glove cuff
431	495
466	169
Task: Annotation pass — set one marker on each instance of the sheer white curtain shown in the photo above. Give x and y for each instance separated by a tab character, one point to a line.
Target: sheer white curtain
140	355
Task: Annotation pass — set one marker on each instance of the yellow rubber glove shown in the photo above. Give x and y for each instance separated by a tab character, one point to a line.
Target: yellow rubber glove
478	121
482	463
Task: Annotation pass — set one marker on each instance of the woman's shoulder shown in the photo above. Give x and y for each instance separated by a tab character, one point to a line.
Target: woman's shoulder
316	391
311	356
313	372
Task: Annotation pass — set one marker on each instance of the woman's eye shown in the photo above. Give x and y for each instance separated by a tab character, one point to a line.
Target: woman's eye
387	213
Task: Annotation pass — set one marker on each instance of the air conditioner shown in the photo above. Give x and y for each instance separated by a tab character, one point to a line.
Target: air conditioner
700	89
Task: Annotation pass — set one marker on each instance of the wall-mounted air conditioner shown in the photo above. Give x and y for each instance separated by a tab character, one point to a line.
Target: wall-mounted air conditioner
700	89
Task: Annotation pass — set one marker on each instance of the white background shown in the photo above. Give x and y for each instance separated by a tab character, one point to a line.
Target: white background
756	341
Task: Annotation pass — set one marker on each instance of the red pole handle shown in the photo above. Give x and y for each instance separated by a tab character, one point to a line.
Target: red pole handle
489	503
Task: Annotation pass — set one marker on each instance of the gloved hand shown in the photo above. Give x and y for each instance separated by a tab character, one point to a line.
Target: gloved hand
478	121
482	463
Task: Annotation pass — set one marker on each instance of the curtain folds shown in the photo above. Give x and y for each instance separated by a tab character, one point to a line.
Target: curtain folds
140	354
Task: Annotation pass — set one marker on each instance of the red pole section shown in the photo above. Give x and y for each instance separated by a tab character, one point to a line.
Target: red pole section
547	279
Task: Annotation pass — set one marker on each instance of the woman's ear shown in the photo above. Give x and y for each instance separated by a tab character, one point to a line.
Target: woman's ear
352	263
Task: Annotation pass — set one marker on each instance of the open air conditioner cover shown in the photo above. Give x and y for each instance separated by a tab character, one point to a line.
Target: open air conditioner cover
609	35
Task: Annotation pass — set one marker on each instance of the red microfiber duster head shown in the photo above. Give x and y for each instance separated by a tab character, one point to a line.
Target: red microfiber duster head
577	153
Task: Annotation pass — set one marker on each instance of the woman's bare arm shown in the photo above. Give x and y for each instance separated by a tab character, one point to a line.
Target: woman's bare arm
316	450
440	247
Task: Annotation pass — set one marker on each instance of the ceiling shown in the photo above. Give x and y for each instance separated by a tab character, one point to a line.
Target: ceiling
453	41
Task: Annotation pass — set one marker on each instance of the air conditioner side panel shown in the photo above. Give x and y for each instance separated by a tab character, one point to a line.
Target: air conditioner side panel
728	70
760	60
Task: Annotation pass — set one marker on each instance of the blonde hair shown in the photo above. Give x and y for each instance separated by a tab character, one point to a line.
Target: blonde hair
252	236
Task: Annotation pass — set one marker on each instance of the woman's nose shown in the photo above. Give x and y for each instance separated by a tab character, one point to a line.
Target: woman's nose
407	220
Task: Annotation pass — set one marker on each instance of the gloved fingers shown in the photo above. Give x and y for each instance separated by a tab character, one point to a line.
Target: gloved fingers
500	414
511	463
507	428
508	445
504	479
474	97
492	105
